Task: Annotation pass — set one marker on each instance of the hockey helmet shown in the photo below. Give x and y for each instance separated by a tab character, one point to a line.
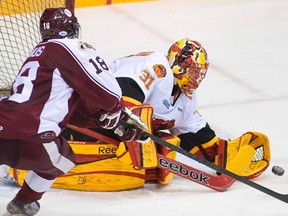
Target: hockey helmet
59	23
189	63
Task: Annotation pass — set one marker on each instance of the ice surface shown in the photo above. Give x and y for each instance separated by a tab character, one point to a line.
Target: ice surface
245	89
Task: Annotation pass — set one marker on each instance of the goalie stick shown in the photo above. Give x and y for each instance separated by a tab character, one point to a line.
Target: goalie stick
218	183
279	196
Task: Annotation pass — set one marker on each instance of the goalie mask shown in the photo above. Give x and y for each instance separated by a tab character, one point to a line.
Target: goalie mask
58	23
189	64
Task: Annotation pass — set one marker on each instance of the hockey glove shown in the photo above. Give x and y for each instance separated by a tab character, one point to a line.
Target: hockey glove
109	120
160	124
131	133
126	125
130	127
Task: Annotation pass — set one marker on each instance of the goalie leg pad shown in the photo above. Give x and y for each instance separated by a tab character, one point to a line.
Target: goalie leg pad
103	171
123	154
163	176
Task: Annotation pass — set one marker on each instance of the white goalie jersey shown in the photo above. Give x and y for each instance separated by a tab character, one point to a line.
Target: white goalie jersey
151	71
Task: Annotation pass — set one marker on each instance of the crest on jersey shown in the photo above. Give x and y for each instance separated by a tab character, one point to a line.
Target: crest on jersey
159	70
84	45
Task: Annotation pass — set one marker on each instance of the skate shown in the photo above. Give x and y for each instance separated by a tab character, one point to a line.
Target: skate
16	207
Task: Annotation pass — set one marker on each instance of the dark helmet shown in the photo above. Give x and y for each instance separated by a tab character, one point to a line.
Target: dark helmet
59	23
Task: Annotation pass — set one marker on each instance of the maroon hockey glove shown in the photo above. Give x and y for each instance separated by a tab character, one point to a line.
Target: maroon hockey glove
130	127
129	133
126	125
109	120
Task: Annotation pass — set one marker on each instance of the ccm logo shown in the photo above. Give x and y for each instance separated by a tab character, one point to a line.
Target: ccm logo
180	169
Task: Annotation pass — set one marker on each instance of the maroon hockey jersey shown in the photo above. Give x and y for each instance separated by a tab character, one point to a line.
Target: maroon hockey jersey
58	78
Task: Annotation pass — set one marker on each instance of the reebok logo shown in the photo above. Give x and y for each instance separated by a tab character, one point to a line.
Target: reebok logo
183	171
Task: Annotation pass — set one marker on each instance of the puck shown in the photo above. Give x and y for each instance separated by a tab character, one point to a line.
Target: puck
277	170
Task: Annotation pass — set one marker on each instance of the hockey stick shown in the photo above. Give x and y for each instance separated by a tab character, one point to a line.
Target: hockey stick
279	196
218	183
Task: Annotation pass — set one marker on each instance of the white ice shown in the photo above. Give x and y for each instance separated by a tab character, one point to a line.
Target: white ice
245	90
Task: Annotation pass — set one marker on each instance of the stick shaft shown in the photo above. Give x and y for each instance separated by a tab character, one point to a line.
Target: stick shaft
282	197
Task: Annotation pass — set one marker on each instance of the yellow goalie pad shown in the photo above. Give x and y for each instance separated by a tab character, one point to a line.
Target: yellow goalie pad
262	156
109	167
142	155
241	161
102	171
147	151
164	176
99	169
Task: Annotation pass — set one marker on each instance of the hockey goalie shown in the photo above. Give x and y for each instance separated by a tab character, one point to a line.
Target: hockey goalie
159	90
115	166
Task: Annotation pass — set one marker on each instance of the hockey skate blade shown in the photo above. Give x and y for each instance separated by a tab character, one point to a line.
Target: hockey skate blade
242	160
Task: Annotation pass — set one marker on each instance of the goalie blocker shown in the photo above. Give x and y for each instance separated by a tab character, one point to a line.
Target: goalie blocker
114	167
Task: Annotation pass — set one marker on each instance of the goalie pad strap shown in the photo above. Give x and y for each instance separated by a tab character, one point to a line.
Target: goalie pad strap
207	150
222	153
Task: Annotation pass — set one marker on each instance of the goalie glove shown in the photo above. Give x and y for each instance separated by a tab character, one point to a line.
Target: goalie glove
251	151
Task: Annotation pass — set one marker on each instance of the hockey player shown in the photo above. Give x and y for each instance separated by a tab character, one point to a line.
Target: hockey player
168	84
162	90
63	80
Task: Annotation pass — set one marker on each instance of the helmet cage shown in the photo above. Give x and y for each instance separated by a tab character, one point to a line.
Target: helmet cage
188	61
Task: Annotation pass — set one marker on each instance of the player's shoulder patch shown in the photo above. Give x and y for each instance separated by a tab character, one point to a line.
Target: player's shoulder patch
159	70
84	45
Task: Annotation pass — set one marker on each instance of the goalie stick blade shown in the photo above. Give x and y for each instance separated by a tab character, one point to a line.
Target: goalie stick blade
219	183
279	196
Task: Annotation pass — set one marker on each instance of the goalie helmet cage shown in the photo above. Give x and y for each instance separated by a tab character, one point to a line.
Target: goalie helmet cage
19	33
